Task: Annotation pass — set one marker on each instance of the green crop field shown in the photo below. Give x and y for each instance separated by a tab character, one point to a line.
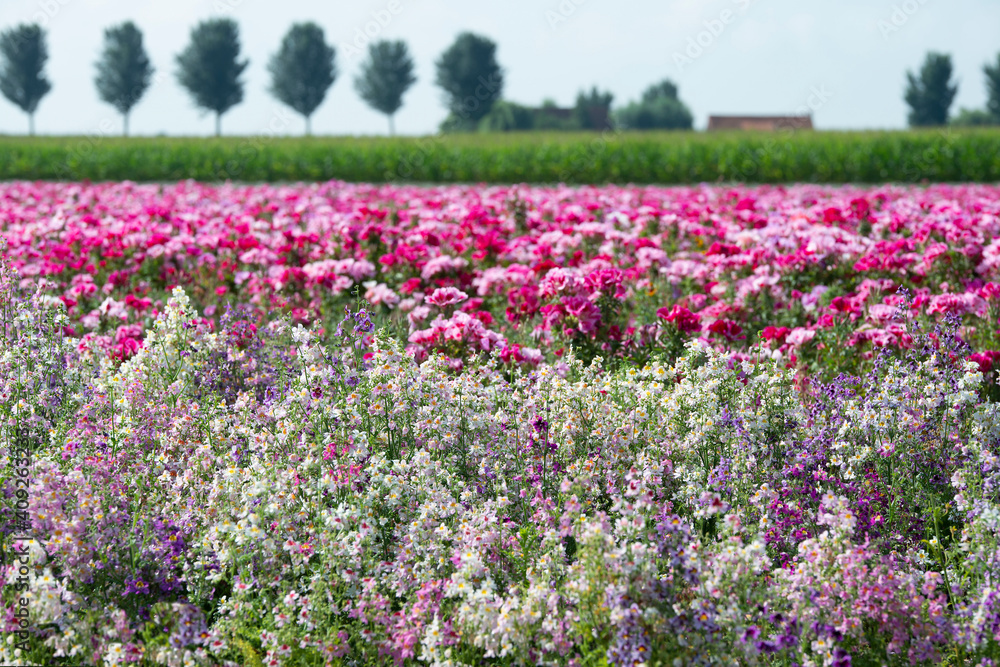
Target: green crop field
945	155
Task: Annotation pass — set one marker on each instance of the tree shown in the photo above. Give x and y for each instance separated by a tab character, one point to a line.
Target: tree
661	90
210	68
385	77
303	70
593	109
123	71
471	79
993	89
931	93
659	108
22	79
973	118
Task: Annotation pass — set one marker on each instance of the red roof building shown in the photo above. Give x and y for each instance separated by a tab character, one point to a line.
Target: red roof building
761	123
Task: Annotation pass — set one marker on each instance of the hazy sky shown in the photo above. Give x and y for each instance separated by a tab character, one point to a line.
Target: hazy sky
845	58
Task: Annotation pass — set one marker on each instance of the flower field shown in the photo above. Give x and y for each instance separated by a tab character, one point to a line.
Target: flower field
342	424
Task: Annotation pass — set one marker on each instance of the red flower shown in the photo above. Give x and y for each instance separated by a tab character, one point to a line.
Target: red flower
410	286
723	249
775	333
728	329
681	317
841	305
861	208
139	304
832	215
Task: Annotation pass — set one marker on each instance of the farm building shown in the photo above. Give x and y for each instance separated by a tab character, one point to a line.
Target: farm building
766	123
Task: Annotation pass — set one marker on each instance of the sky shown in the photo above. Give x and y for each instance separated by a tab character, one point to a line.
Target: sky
844	61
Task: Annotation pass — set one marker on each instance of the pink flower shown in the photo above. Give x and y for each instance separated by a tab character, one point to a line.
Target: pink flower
523	302
882	313
986	360
588	316
446	296
560	281
990	292
959	304
799	336
126	349
607	282
381	293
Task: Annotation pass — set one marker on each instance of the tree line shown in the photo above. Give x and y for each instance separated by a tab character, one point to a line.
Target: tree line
210	69
302	70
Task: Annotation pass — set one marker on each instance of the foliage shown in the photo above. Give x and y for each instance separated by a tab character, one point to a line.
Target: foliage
470	77
930	93
592	110
507	116
385	77
210	69
616	156
659	108
550	116
303	69
992	73
22	77
974	118
123	71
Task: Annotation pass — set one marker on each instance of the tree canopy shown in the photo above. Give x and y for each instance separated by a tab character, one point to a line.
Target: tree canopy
210	68
385	77
592	110
124	71
23	53
303	69
930	93
992	73
658	108
471	79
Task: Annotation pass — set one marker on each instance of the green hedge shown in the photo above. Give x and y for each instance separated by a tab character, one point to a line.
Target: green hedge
616	157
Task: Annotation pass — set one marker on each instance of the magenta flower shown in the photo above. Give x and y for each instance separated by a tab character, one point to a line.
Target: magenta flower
681	317
587	315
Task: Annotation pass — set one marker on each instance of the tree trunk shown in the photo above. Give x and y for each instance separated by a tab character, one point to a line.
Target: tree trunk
31	124
218	124
125	124
309	129
392	126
